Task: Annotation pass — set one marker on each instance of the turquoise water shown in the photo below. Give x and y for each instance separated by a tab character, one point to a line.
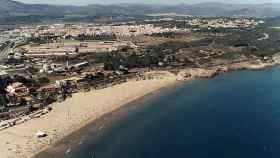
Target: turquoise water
231	116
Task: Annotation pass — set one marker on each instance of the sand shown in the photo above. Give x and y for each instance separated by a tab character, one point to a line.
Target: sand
73	114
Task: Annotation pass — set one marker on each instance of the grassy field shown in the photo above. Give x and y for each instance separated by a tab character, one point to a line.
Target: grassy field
150	40
71	41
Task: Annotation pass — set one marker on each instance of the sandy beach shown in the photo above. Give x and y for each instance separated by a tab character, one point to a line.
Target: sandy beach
73	114
83	108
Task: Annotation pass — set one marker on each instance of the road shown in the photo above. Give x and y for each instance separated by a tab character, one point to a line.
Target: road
5	52
266	36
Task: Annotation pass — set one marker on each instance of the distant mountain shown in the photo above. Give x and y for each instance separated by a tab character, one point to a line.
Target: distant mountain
202	9
10	8
14	8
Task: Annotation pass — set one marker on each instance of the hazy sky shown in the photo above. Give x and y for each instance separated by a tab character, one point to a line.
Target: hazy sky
84	2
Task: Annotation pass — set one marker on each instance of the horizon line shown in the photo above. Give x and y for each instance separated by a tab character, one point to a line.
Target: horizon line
152	3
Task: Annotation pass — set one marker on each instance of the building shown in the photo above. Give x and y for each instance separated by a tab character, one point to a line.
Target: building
17	89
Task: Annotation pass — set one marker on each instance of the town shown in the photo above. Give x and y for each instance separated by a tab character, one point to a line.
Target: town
42	64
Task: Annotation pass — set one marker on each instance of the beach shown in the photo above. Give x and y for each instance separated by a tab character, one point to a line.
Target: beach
232	115
84	108
73	114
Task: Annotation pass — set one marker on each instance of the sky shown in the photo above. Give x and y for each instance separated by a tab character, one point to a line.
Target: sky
85	2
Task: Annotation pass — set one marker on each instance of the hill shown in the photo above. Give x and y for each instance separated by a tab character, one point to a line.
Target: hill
16	11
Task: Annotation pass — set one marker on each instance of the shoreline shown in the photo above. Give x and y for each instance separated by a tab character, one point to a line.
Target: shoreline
101	125
79	111
74	114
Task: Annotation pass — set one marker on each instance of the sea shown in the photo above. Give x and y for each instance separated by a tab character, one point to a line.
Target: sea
235	115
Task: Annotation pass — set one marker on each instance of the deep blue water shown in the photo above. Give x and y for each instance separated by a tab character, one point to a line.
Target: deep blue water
236	115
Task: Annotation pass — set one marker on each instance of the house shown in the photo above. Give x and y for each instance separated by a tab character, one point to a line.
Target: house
48	89
17	89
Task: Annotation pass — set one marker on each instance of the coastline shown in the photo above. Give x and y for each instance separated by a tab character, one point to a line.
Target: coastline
73	114
84	108
185	108
97	128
